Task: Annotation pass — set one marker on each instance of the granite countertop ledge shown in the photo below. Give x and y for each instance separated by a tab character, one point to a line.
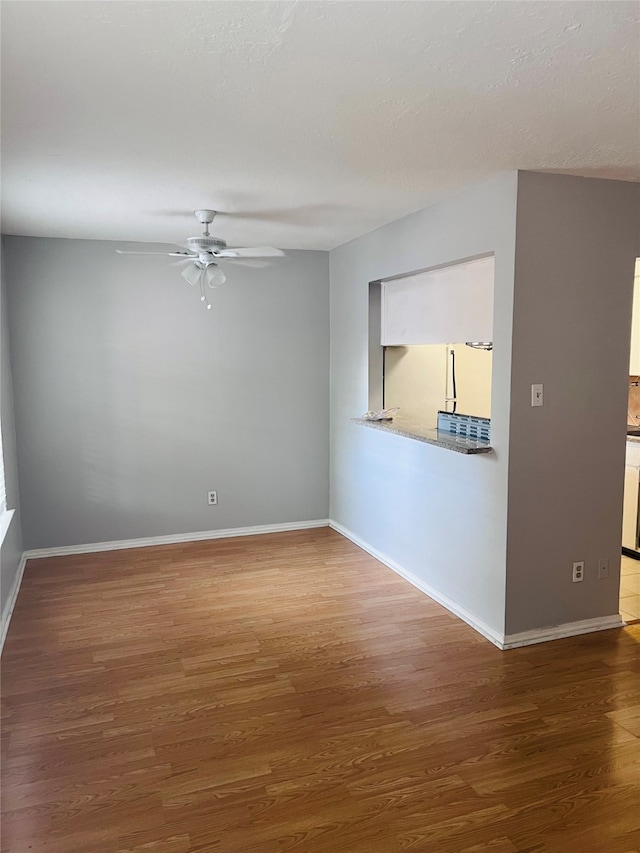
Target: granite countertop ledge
428	435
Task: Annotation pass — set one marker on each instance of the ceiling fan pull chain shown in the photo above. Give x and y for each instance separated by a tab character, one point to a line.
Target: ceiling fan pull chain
203	297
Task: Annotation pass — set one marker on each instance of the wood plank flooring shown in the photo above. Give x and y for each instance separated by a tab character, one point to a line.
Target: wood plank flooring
289	693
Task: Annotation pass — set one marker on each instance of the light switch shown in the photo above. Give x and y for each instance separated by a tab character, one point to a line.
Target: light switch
536	395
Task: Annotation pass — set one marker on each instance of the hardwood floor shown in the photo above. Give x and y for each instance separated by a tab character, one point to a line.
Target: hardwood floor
289	693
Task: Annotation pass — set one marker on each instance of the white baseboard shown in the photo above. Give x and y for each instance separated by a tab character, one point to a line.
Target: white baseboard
557	632
11	601
502	641
120	544
461	612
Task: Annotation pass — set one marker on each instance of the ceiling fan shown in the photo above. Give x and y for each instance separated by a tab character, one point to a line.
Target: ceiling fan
204	253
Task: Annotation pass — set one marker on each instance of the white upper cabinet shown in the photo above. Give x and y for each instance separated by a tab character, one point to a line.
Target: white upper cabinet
634	359
446	305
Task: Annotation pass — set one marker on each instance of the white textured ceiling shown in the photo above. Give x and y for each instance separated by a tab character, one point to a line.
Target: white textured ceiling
306	123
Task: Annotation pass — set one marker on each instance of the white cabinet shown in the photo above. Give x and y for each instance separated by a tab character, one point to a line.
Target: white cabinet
631	497
442	306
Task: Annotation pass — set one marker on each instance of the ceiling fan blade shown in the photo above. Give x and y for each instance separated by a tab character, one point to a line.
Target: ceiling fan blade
247	262
258	252
186	255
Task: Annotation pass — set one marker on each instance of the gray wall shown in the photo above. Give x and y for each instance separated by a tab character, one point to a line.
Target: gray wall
11	551
498	534
440	515
577	240
132	400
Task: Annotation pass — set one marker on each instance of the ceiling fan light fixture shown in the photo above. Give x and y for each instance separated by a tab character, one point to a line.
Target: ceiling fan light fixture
191	273
214	275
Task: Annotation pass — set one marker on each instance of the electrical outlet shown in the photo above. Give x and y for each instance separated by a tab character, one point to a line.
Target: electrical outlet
603	568
578	571
212	498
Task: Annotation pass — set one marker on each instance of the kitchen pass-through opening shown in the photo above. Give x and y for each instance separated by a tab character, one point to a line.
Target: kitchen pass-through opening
431	341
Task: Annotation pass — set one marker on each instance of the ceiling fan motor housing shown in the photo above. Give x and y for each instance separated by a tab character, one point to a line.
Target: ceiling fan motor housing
205	244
